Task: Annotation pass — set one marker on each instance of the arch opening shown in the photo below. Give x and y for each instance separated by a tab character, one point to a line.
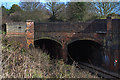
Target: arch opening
49	46
85	51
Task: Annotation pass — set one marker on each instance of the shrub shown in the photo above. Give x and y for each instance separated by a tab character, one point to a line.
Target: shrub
37	64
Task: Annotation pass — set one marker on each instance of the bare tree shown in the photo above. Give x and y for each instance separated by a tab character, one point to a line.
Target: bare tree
105	8
31	6
34	10
76	11
55	8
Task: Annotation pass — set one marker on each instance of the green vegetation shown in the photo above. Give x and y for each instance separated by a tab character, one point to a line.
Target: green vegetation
76	11
60	12
19	63
0	31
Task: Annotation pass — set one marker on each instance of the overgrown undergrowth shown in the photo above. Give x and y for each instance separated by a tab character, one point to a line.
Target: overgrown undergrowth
20	63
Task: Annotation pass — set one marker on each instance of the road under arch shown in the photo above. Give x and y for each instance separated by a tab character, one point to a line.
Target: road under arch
86	51
53	48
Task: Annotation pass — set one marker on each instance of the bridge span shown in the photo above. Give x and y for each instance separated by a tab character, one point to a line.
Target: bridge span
95	42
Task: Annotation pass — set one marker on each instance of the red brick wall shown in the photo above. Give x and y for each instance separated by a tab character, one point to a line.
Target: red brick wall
30	33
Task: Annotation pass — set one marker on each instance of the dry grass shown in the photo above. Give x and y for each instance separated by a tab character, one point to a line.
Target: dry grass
18	63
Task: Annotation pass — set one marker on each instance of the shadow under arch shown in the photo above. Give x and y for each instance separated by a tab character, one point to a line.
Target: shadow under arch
50	38
86	51
50	46
85	38
4	30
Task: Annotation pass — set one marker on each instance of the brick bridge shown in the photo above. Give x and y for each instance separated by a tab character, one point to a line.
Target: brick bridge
95	42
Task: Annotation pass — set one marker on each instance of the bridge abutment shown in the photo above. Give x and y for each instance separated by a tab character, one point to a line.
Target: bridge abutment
64	52
30	33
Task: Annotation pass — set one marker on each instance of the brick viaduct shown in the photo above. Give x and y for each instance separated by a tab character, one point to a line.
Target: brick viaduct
96	42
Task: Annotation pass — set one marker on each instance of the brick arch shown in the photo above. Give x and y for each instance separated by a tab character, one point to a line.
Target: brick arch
91	51
49	45
85	38
50	38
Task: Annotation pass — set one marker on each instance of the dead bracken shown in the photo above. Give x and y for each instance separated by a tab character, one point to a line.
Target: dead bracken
19	63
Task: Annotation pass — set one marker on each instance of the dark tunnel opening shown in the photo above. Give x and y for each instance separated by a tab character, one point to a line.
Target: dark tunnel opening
4	28
85	51
51	47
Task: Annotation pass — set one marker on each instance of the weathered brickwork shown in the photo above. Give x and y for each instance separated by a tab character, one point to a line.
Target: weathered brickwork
16	28
30	33
16	32
115	44
102	31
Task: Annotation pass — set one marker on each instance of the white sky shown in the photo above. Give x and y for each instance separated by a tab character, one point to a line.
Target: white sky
59	0
9	3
